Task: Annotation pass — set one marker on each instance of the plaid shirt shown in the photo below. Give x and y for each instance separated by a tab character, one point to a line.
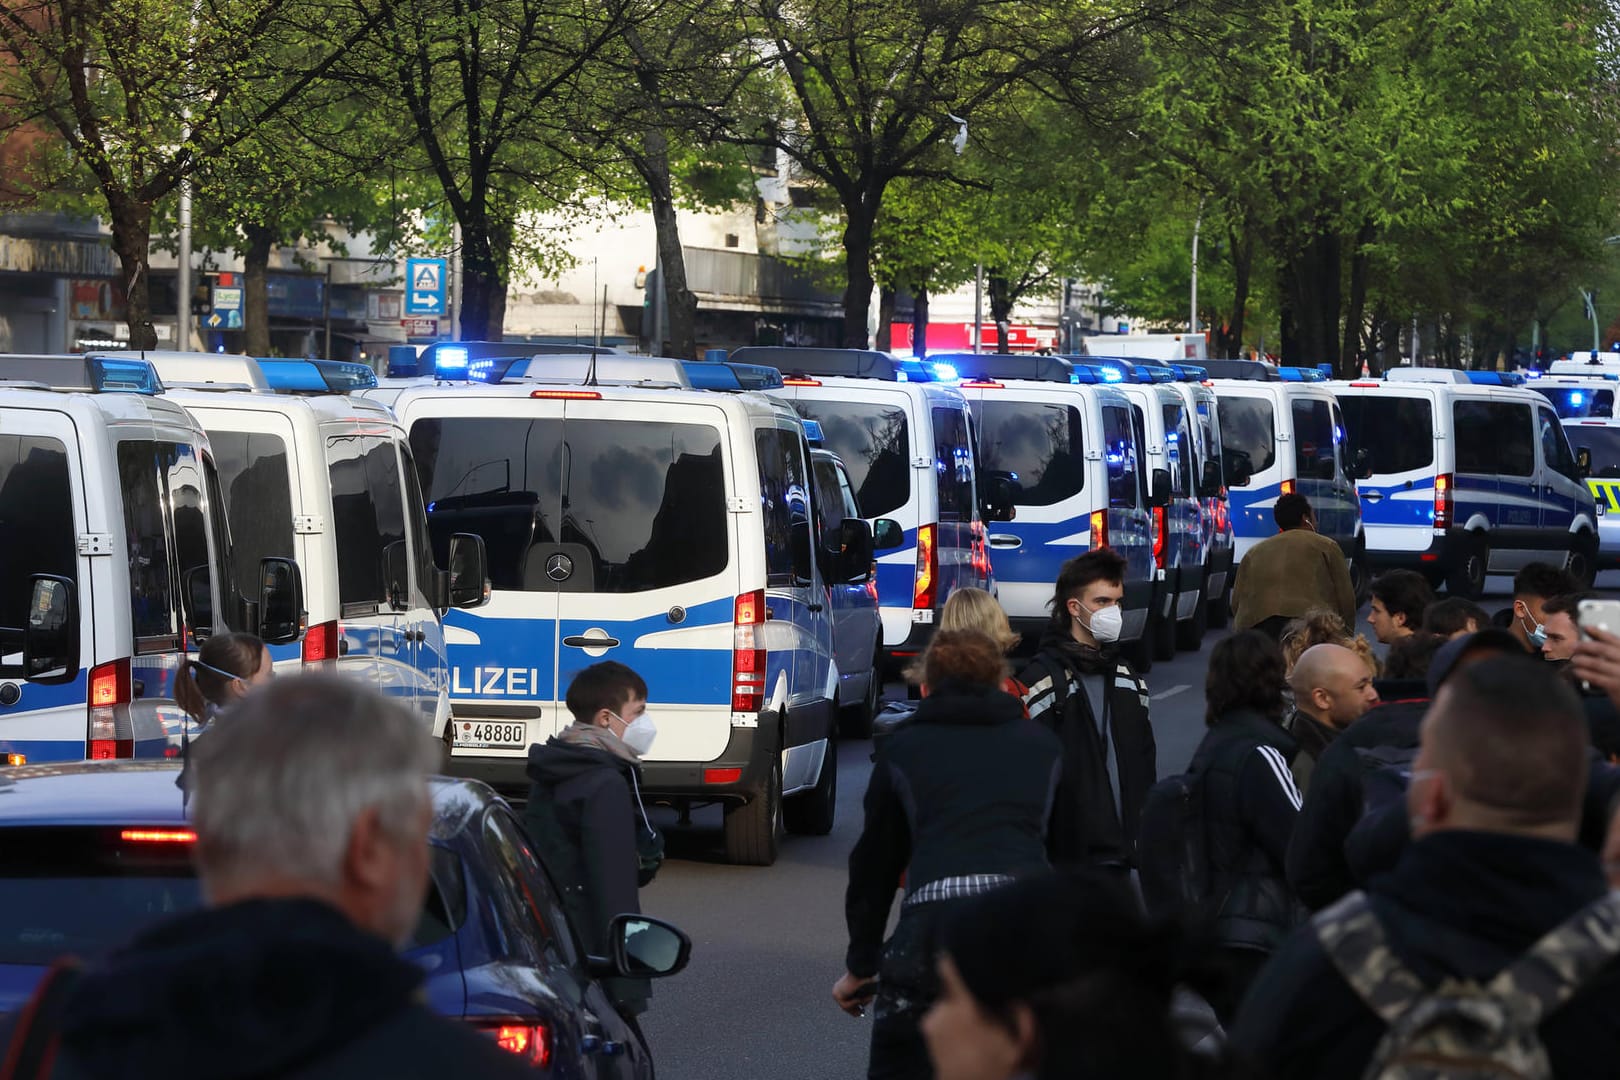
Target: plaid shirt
955	888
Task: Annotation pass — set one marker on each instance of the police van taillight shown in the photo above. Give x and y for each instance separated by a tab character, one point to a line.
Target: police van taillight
1099	530
927	580
1443	505
1160	539
321	643
747	657
110	735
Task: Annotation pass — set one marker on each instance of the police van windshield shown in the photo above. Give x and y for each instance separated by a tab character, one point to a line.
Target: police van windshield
1577	402
1397	431
873	442
36	531
1248	432
1604	442
635	505
1042	446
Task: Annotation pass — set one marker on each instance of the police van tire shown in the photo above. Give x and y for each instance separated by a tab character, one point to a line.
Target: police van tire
855	722
1466	578
1582	563
1190	631
1163	631
813	813
1220	608
753	830
1360	577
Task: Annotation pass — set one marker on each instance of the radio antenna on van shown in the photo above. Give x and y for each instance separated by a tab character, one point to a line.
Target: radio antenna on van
601	331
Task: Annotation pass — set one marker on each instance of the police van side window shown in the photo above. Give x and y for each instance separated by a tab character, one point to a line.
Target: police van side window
1119	453
1555	450
1248	432
416	521
1397	431
873	441
37	535
1493	437
1313	440
829	499
254	472
151	592
1043	446
784	499
953	464
1178	449
367	516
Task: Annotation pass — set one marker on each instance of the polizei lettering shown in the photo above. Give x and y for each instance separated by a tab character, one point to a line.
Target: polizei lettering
495	681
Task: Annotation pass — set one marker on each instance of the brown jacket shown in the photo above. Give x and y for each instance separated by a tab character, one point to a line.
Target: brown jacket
1290	574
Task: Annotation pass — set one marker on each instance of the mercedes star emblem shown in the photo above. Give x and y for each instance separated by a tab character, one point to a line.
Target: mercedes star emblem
559	568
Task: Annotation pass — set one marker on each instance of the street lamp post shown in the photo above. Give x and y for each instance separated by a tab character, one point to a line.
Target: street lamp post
1198	222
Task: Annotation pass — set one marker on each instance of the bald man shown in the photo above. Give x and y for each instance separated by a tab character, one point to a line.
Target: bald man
1495	802
1333	687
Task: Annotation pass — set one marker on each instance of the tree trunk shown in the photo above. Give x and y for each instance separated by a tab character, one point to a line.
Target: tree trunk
919	322
485	244
256	290
887	297
132	241
858	224
1242	268
1349	365
1001	304
679	303
1312	287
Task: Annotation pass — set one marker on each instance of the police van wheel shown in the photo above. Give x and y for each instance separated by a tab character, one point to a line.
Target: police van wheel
1582	564
1466	577
855	722
1220	609
1163	632
753	830
812	813
1190	633
1360	577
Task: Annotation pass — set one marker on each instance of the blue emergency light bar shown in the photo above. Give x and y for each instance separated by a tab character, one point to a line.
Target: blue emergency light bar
1300	374
1154	373
317	376
986	367
1252	370
97	374
724	375
813	433
1496	378
1190	372
840	363
1111	369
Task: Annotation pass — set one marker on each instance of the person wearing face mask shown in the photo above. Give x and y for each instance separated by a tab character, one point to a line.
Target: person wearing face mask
1532	588
221	674
1084	690
585	813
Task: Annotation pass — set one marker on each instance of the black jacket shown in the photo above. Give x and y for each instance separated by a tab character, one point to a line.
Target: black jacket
1311	740
283	988
1317	869
1459	903
1089	828
967	787
1249	802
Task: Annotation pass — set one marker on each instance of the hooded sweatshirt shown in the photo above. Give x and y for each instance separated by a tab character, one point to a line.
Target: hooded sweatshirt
264	988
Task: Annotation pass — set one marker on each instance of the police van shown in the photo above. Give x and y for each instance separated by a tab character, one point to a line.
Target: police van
1284	436
1578	396
1079	479
1467	477
313	475
1179	540
1193	382
1597	454
628	517
911	449
115	559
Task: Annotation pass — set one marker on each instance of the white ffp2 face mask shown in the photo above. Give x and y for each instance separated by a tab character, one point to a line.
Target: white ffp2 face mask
640	734
1105	624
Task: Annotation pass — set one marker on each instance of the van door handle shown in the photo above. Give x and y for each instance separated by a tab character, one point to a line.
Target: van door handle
814	607
580	641
1005	540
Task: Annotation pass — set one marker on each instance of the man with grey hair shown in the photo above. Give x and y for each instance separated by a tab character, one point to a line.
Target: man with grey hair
311	808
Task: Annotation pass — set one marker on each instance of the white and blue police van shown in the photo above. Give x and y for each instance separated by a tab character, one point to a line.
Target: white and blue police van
1469	474
1196	389
1578	396
911	449
1067	445
115	560
313	475
1165	428
1280	436
1597	455
629	517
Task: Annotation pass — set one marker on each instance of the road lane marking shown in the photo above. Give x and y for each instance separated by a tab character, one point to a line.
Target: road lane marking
1172	692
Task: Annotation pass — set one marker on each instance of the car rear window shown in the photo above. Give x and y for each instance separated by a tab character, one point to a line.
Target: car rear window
1043	446
36	531
368	512
1574	402
1397	431
1248	432
638	505
1119	451
873	441
255	477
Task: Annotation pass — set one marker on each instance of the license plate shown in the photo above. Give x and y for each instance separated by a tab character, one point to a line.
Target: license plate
492	735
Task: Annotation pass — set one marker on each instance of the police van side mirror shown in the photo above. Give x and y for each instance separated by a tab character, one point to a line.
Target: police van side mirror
1211	480
1361	465
51	635
1583	463
467	582
887	535
1159	489
1239	468
850	552
1000	497
281	601
643	948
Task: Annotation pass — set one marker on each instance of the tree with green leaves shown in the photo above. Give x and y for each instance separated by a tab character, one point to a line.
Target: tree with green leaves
143	93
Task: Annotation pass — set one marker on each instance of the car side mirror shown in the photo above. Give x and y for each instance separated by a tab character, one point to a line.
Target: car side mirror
887	535
645	948
1000	497
1361	465
281	601
1159	489
850	551
51	636
1583	463
1211	480
1239	468
468	585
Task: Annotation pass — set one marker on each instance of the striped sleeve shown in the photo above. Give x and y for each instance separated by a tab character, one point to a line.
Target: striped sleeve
1042	695
1278	768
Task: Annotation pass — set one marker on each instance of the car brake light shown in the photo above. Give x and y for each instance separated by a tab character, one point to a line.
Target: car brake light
1442	501
722	776
1287	487
1372	384
527	1039
1099	529
16	759
747	658
801	382
922	595
321	643
1159	538
871	583
110	695
567	395
158	836
983	384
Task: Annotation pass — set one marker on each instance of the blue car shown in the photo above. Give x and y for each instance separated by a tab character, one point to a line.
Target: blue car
92	853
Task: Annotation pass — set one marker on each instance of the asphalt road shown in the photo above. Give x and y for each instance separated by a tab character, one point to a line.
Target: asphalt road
755	1003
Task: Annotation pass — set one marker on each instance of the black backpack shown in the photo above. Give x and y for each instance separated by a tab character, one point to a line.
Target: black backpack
1173	848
